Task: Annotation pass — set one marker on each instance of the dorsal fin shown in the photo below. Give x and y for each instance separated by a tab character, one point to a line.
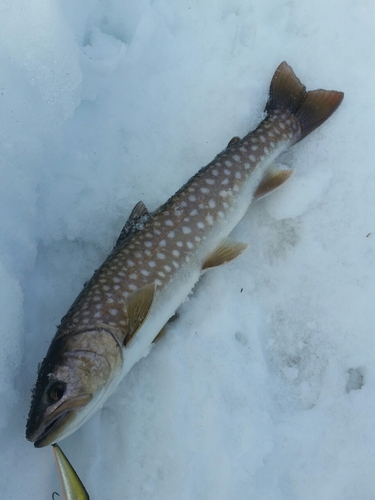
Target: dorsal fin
136	309
227	251
272	180
135	222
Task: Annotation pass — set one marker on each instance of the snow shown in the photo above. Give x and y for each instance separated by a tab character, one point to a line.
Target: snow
264	385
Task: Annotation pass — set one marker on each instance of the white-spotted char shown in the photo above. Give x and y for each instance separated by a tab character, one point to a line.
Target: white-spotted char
159	257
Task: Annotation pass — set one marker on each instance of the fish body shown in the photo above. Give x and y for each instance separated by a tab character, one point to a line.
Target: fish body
71	484
158	259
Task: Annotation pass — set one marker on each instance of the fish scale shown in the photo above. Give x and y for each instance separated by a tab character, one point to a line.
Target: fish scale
159	257
180	228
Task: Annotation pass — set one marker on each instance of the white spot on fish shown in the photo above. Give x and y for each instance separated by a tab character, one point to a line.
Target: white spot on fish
226	171
171	234
266	150
96	298
194	212
179	244
243	149
145	272
197	238
228	163
262	138
157	232
113	312
176	264
168	222
192	198
160	255
133	276
254	148
205	190
186	230
236	157
220	213
133	287
130	263
163	243
252	157
238	175
200	225
225	182
215	172
209	220
176	253
236	188
211	204
189	244
282	126
223	193
247	166
116	279
158	282
209	181
168	268
152	263
161	273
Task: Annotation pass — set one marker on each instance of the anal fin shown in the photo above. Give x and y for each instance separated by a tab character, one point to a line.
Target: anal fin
272	180
225	253
136	308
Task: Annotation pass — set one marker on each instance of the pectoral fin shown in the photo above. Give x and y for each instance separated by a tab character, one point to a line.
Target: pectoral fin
137	307
226	252
272	180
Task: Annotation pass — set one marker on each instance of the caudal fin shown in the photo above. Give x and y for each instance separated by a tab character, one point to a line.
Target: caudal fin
310	108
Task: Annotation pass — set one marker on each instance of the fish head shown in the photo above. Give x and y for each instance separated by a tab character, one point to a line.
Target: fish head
77	375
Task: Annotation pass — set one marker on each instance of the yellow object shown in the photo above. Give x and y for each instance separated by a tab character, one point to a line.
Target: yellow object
71	484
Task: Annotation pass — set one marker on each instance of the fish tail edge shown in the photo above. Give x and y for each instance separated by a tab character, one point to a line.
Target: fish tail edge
310	108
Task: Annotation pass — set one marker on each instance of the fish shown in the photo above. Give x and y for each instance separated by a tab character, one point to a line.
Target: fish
71	484
158	258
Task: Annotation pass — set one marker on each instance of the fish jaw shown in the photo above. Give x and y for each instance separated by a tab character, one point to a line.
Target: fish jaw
76	377
54	428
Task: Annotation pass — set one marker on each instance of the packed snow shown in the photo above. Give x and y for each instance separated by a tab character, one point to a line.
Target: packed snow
263	388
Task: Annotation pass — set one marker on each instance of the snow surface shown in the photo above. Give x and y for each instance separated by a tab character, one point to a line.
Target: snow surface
263	388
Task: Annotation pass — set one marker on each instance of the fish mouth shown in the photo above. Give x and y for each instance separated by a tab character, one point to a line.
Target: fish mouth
47	435
58	423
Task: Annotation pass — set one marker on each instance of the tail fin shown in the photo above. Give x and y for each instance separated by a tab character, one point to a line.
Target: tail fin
310	108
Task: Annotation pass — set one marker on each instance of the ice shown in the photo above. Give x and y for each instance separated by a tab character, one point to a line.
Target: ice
263	386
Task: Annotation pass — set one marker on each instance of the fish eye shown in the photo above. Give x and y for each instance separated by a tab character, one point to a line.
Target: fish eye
55	392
